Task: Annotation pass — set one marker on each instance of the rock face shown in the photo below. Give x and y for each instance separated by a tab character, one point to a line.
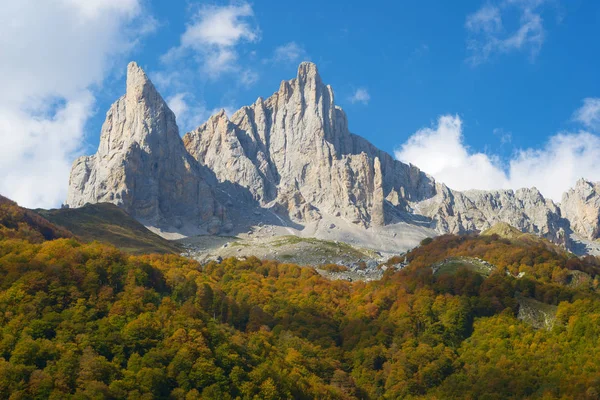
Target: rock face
283	150
291	157
294	149
476	210
142	166
581	206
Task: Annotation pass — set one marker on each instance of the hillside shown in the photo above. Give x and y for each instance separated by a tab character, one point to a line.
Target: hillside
88	321
19	222
108	223
506	231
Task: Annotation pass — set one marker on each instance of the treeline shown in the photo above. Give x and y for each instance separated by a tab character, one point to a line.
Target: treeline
88	321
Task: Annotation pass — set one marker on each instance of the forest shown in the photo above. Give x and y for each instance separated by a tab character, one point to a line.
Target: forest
87	321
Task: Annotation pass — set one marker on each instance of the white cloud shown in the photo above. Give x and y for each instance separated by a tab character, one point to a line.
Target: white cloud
442	153
54	54
191	113
488	36
93	8
556	167
553	169
289	53
211	44
589	113
213	36
248	77
361	95
486	19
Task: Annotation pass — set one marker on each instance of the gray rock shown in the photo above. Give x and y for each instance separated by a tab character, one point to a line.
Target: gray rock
294	150
293	154
142	166
581	206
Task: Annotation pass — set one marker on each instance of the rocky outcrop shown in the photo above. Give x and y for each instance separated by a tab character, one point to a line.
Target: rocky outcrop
293	151
143	167
291	158
477	210
581	206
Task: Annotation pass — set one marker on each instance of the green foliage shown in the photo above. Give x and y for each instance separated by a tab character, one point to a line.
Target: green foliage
82	321
426	241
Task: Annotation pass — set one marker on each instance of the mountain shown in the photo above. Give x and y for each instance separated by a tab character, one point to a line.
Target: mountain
508	232
294	150
289	161
142	166
103	222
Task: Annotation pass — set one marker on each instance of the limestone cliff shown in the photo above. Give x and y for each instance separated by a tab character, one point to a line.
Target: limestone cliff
298	140
142	166
581	206
291	157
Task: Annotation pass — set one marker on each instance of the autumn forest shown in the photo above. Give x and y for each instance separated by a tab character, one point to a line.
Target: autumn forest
87	321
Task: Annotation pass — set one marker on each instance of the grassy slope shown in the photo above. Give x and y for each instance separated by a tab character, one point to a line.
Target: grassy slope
453	264
108	223
506	231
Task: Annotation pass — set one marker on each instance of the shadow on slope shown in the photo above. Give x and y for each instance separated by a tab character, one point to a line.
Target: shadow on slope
108	223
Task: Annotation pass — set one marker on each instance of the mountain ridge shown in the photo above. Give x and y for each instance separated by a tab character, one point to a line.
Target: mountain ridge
292	155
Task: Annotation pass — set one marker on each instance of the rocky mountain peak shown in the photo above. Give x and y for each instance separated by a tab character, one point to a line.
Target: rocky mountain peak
142	165
584	187
293	155
140	92
308	73
138	82
581	206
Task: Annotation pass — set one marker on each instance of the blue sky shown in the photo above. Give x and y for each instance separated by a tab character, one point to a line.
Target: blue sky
508	88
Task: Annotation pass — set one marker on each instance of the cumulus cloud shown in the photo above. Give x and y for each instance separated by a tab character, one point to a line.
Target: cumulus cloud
289	53
553	169
361	95
211	47
213	36
589	113
441	152
58	52
190	112
487	34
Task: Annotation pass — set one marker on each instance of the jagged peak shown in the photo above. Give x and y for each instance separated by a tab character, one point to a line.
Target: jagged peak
221	114
134	70
216	119
307	68
138	83
530	190
308	71
583	182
